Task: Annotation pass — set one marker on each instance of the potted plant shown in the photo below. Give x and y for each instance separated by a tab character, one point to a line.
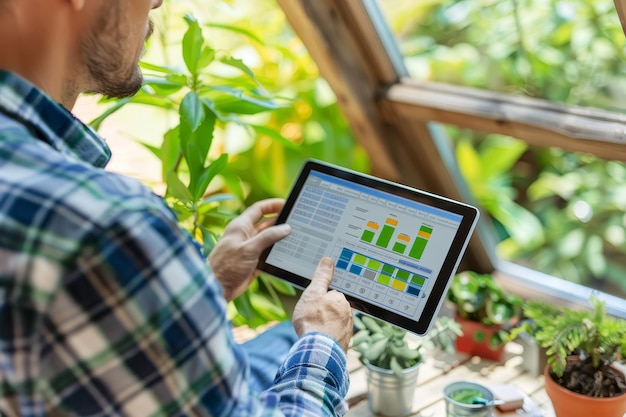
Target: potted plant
392	359
583	348
484	311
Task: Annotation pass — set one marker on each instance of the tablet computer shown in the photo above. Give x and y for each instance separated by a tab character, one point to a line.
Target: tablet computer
395	248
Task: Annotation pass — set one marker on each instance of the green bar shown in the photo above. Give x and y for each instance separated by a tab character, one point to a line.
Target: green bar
416	279
426	229
385	236
399	247
367	236
373	264
417	250
402	275
384	279
388	269
359	259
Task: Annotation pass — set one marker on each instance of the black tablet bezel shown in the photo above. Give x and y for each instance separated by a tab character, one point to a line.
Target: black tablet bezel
469	216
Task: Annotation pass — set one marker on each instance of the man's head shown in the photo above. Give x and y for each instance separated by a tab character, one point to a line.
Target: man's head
67	47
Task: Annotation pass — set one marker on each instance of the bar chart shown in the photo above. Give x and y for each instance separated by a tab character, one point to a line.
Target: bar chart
383	273
384	236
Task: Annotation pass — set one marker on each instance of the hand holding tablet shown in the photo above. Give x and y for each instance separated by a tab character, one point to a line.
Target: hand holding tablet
395	248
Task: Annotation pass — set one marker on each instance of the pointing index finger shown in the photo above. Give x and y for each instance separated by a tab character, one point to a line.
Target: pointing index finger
322	277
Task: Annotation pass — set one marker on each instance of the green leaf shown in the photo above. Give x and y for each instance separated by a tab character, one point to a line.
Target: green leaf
192	45
237	63
209	239
234	101
371	324
155	151
395	366
218	198
209	173
157	68
97	122
207	56
236	29
177	189
282	286
170	151
280	139
244	306
162	86
376	350
195	146
360	337
192	111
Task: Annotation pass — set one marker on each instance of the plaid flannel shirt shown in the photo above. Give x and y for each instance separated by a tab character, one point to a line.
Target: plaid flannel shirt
107	308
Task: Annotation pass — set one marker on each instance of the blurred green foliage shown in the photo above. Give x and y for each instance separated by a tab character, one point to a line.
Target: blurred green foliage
558	212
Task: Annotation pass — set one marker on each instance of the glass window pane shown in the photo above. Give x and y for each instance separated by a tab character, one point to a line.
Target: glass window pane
558	212
565	51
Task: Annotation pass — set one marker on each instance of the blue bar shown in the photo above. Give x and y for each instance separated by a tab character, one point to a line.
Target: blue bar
413	290
341	264
346	255
355	269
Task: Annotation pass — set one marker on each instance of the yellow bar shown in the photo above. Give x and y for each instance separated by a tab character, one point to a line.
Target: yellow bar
423	234
404	237
372	225
398	285
391	221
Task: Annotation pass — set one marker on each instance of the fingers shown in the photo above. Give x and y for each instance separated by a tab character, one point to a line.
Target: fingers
265	223
255	212
267	237
322	277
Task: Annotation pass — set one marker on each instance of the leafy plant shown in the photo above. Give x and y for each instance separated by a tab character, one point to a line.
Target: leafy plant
199	99
596	339
480	298
386	346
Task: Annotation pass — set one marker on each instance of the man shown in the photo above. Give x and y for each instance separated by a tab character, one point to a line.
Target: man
106	307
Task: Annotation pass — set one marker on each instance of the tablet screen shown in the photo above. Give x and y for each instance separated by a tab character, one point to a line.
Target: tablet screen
395	248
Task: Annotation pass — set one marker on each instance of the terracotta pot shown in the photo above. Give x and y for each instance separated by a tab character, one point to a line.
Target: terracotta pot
467	342
570	404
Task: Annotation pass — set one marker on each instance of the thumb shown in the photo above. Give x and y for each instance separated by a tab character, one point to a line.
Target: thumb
322	277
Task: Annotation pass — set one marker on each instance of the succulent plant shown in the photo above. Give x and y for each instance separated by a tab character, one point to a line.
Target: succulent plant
386	346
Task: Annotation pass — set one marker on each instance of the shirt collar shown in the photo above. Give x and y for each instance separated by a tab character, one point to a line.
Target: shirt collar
50	121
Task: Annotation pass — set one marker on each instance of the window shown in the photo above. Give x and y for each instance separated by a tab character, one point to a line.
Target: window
422	132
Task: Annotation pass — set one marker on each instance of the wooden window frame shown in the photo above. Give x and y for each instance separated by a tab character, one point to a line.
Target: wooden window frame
393	118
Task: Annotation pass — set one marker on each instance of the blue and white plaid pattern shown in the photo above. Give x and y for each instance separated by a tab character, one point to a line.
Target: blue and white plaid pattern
106	307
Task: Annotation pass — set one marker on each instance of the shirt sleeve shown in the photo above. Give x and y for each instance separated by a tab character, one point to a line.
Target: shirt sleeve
140	328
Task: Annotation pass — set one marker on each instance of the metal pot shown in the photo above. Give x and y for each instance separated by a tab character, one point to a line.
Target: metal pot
455	408
388	394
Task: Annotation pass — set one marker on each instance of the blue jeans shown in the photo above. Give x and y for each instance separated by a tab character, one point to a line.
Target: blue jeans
266	353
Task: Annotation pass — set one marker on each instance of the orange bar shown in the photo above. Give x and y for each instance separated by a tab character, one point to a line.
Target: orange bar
372	225
423	234
404	237
391	221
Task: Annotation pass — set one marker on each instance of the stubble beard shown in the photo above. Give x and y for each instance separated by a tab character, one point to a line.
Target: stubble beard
109	71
